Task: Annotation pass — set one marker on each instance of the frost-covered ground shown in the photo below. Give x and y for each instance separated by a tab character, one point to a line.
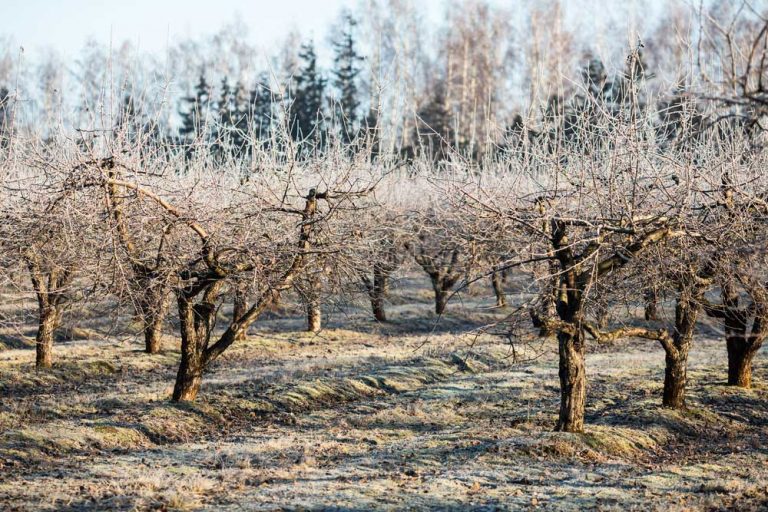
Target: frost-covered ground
376	418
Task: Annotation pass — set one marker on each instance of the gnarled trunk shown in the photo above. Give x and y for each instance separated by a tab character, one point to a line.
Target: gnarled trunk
675	376
741	341
153	334
441	299
675	373
444	270
740	356
48	322
189	377
196	323
49	285
573	382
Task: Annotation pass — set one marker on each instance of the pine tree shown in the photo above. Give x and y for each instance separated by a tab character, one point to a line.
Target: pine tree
260	108
224	119
434	131
307	97
194	117
345	75
239	119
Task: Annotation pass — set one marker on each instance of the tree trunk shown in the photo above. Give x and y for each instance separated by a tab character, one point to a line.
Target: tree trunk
651	305
189	377
675	375
497	281
314	317
573	382
312	305
195	324
151	309
441	299
740	355
377	306
48	322
153	334
378	292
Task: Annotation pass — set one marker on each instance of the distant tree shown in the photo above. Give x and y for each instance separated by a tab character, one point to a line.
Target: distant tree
239	119
194	116
433	131
372	131
476	58
346	72
260	110
5	117
225	116
306	99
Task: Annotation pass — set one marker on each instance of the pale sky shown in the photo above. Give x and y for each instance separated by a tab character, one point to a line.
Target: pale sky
150	24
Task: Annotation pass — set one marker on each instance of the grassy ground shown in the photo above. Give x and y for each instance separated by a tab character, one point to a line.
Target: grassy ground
406	416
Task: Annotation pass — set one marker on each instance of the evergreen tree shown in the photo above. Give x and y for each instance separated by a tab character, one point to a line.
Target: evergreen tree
260	108
239	119
433	130
224	119
194	117
345	75
306	107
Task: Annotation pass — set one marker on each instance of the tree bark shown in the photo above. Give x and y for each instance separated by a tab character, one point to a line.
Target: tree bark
314	317
675	376
153	334
378	292
189	377
497	281
675	373
651	305
151	310
48	286
196	323
740	356
48	322
573	382
441	299
741	341
312	305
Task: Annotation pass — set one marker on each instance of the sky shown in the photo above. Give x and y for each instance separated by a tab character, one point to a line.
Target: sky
152	24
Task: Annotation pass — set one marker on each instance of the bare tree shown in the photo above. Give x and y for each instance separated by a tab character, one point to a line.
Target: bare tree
219	231
45	229
149	285
444	258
